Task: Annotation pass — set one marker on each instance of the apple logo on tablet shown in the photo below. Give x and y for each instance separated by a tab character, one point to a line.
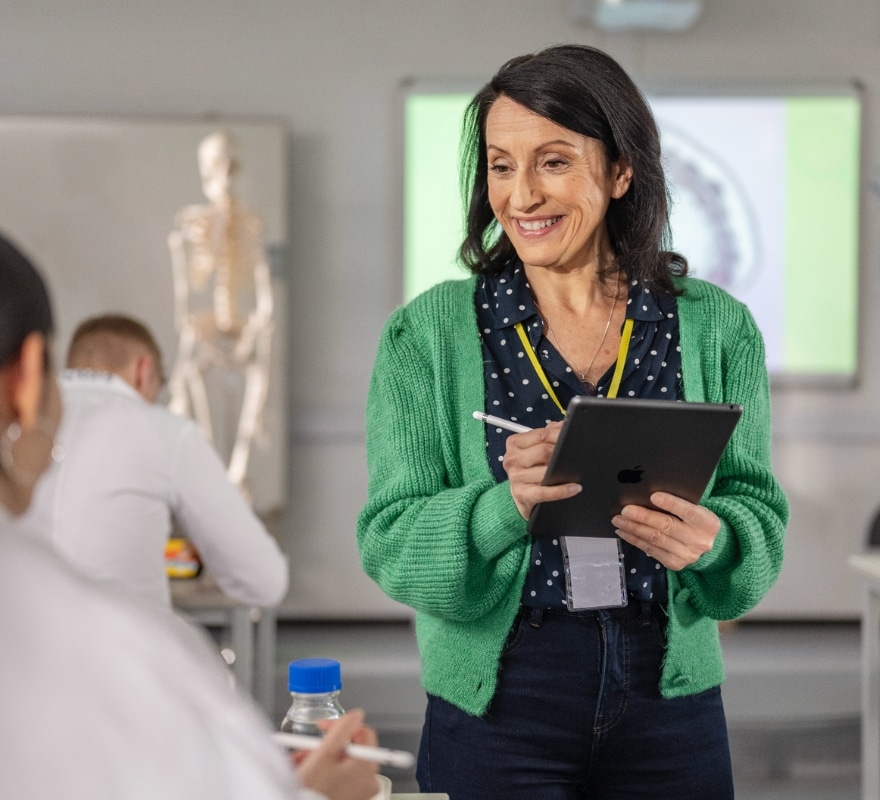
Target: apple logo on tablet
633	475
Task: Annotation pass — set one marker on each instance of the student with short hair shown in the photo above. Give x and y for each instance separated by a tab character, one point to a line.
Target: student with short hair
132	469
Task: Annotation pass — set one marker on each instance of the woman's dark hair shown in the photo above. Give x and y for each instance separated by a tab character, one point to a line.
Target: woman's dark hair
24	302
586	91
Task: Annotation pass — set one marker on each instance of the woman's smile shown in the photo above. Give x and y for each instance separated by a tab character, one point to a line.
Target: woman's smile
533	227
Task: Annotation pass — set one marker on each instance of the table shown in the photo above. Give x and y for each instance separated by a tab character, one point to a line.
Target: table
868	566
251	629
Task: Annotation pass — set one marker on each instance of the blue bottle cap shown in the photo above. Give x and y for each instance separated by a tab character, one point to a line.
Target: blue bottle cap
314	676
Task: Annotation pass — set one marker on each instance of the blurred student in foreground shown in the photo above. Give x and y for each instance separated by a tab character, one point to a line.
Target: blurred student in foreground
104	696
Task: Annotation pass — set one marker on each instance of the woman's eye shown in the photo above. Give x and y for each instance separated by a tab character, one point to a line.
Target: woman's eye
499	169
555	163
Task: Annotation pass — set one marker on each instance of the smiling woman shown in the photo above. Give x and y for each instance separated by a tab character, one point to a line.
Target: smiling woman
549	189
533	692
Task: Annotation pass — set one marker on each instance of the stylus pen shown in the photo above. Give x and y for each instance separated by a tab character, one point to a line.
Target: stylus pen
501	422
379	755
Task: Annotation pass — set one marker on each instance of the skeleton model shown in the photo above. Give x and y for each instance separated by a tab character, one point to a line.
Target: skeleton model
223	310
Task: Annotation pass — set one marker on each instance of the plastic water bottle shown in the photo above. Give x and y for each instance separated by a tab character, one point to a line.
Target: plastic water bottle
314	685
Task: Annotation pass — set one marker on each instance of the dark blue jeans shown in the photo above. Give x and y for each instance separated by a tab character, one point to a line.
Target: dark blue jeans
578	714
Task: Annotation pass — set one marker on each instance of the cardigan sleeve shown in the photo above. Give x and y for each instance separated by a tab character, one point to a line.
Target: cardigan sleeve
432	534
747	555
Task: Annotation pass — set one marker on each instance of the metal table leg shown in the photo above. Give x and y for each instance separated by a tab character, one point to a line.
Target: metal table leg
871	694
242	642
264	661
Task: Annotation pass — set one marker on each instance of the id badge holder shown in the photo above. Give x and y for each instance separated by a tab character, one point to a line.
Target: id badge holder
594	574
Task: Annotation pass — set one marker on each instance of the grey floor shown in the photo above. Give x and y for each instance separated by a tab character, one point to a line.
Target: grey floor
791	695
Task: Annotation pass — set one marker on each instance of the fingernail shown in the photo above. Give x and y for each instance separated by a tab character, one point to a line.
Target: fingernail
575	488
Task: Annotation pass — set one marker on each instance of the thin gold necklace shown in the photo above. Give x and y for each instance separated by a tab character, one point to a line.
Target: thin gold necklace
582	375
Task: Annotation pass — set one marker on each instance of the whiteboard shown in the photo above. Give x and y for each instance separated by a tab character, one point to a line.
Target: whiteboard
92	200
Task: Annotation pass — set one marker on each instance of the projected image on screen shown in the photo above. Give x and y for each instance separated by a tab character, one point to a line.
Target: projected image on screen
765	196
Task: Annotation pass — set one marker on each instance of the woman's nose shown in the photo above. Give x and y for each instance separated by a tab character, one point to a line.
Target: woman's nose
526	190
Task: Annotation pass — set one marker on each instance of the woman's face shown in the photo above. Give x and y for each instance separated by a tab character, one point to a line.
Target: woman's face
549	188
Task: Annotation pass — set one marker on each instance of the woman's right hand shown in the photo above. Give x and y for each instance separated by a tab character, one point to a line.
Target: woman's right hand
525	462
331	772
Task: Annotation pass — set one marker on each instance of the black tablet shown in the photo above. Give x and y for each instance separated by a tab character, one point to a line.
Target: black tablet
621	451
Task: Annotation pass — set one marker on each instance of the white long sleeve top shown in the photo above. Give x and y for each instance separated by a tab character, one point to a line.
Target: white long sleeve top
106	697
129	469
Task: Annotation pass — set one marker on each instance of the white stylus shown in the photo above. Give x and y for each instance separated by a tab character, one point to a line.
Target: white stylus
379	755
501	422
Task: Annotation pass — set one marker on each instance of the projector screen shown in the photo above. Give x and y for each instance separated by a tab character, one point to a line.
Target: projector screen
765	202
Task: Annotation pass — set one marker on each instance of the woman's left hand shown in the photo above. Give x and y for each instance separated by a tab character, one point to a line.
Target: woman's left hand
676	536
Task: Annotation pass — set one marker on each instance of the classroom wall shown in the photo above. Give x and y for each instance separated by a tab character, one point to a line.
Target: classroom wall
333	71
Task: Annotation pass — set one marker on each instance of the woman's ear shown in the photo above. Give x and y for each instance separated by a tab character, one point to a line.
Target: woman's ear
26	377
621	175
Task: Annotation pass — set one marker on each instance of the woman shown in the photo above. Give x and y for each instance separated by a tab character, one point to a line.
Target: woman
102	697
527	697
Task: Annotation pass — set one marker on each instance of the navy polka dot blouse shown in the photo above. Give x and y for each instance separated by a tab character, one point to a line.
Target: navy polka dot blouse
514	391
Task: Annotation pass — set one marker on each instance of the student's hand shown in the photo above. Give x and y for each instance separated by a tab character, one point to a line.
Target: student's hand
676	536
525	462
329	771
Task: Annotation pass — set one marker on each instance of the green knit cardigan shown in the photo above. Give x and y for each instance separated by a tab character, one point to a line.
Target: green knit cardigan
439	534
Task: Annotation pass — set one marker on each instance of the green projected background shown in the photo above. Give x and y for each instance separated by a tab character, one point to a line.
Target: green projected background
433	215
765	203
821	236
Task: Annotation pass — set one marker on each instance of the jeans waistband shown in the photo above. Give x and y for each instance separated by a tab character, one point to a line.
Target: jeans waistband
634	609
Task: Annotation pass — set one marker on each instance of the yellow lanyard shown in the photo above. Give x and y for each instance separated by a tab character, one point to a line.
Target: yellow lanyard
626	335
